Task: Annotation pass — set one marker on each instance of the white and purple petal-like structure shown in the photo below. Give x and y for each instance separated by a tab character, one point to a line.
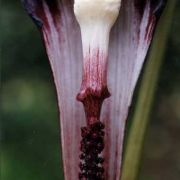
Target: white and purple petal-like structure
129	42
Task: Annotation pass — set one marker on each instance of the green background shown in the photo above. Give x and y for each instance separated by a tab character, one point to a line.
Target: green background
30	142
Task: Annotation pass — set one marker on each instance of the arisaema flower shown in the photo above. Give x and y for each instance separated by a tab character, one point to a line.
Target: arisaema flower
96	50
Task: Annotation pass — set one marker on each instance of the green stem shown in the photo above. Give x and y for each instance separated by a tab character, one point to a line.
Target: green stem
145	96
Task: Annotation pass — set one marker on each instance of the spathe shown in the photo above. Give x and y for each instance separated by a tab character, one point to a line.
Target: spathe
129	42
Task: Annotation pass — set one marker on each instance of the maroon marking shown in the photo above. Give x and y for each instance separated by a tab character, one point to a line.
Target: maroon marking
54	10
156	6
150	28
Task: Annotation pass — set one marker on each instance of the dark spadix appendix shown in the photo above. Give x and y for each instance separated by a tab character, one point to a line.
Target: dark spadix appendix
96	49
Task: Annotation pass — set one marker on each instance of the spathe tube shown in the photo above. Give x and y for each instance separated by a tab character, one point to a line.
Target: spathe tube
129	42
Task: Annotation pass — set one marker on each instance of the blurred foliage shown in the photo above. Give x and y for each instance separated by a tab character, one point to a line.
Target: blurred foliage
30	128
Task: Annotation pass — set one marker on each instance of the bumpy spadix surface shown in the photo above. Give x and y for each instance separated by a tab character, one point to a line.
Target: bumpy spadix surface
128	45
